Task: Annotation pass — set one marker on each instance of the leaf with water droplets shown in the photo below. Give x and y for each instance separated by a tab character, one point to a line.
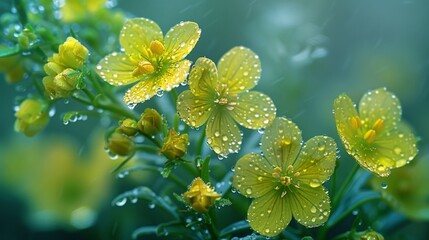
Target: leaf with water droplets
310	206
269	214
316	162
136	36
181	39
253	176
203	79
239	69
193	110
380	104
116	69
281	142
222	133
253	110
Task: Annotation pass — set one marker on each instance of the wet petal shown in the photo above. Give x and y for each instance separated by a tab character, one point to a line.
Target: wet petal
136	36
316	162
193	110
239	69
141	92
253	176
222	133
181	39
394	149
203	78
269	214
310	206
281	142
175	74
347	121
254	110
116	69
380	104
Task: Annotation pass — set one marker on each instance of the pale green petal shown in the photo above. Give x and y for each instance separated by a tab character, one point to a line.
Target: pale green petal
203	79
141	92
175	74
270	214
222	133
310	206
136	36
395	149
316	162
346	118
380	104
253	176
193	110
181	39
281	142
116	69
239	69
254	110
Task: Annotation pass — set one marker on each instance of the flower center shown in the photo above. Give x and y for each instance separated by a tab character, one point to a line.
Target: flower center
222	101
284	178
369	135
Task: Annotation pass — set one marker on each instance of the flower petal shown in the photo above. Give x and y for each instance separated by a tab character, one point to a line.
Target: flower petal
393	150
281	142
253	176
310	206
141	92
203	79
175	74
181	39
345	113
269	214
116	69
193	110
316	162
222	133
239	69
380	104
254	110
136	36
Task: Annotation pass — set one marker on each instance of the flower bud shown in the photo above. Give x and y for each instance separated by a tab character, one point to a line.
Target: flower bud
128	127
175	145
26	38
369	235
31	117
150	122
120	144
52	68
200	196
13	67
67	80
72	53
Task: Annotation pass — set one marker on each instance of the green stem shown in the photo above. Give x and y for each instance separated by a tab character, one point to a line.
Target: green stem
88	93
344	187
174	96
200	142
211	225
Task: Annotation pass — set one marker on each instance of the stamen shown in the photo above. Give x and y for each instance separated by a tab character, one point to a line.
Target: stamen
378	125
369	136
355	122
143	67
157	47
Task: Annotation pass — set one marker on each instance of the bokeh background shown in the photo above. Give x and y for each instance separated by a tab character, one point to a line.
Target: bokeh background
311	51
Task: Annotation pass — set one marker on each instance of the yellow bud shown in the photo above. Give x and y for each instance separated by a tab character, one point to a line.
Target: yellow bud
31	117
120	144
26	38
67	80
53	68
200	196
13	67
157	47
150	122
128	127
175	145
370	235
72	53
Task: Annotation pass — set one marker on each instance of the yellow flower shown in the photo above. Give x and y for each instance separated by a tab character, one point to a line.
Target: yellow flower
13	67
128	127
120	144
175	145
156	62
220	96
64	69
200	196
375	136
150	122
31	118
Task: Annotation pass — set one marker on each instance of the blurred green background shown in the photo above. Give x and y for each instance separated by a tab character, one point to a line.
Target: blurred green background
311	51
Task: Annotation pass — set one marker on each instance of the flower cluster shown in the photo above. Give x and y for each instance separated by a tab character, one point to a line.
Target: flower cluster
64	69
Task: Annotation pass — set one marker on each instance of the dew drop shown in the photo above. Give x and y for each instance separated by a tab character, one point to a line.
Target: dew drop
151	205
384	185
314	183
131	105
121	202
313	209
249	191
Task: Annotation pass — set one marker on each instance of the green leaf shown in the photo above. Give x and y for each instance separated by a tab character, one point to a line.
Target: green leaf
176	228
233	228
70	117
168	167
222	202
9	51
181	199
144	231
147	194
